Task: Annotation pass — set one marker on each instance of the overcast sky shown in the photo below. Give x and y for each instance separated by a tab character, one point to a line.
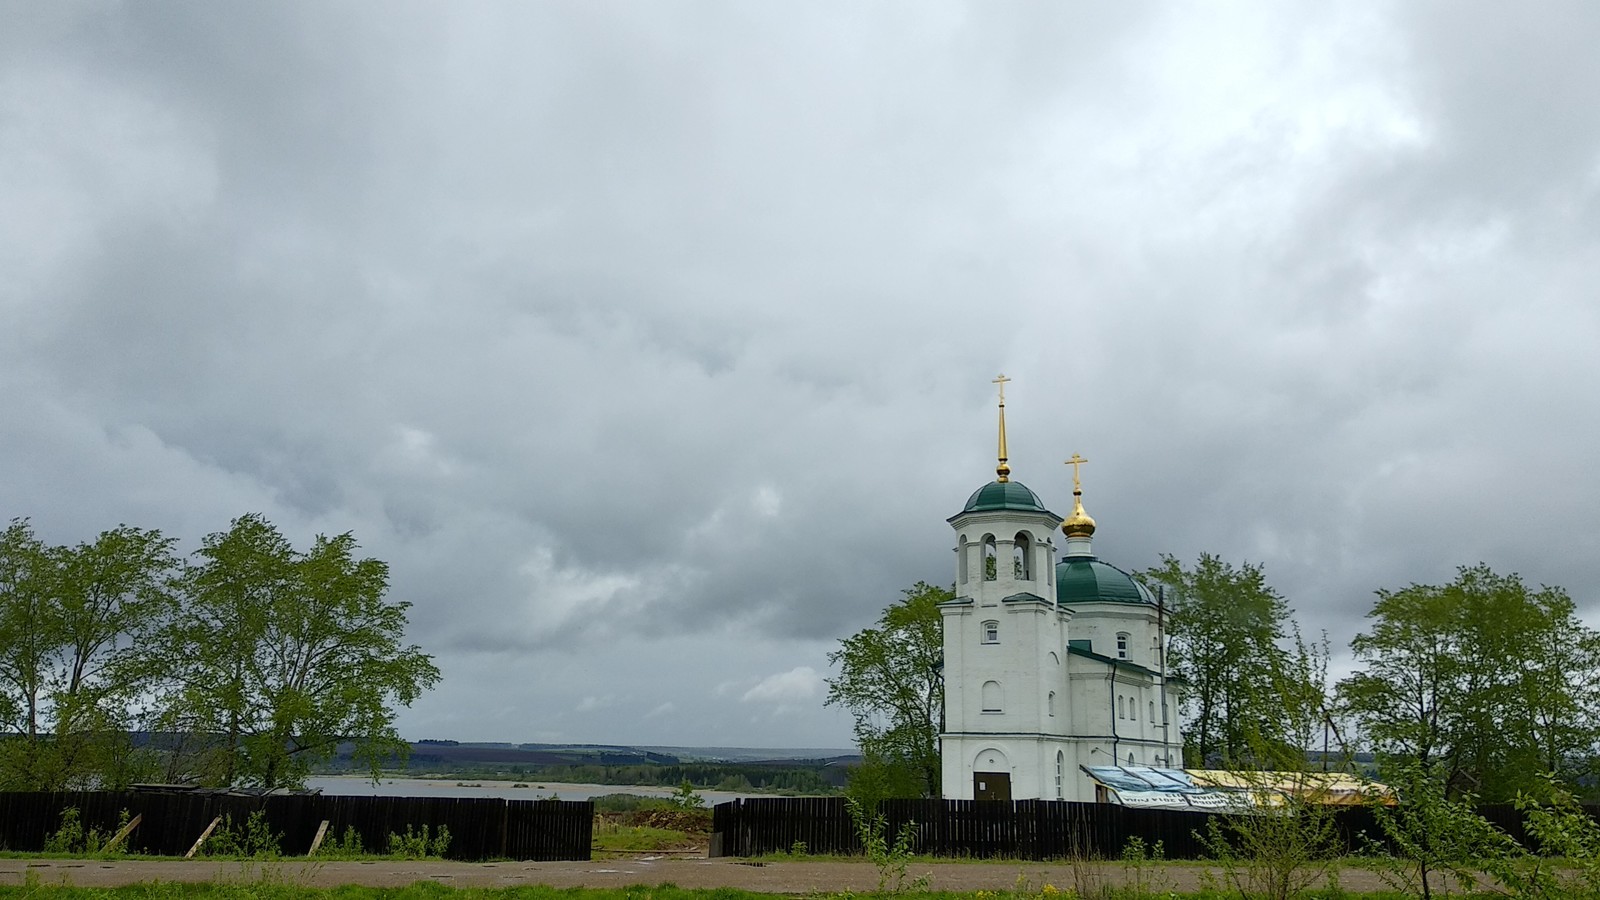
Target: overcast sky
651	343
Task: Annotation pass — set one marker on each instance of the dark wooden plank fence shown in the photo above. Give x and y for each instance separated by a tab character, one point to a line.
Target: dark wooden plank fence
480	828
1023	829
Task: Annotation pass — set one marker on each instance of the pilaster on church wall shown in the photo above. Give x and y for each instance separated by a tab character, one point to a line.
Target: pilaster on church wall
1022	684
960	626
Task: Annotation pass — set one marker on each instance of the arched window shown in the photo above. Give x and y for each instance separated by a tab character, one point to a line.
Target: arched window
1121	707
961	560
1122	645
1022	557
1051	703
1130	760
991	566
1061	765
993	698
991	632
1152	712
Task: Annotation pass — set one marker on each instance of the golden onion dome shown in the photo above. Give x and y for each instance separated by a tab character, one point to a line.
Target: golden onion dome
1079	524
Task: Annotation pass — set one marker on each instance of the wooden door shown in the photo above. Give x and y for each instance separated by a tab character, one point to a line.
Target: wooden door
991	785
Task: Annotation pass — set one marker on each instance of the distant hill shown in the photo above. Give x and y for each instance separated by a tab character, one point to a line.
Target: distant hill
620	755
793	770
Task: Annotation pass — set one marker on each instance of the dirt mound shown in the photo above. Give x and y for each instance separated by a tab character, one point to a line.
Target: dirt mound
693	821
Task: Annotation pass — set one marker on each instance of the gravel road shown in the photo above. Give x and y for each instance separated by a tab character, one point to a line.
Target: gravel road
800	877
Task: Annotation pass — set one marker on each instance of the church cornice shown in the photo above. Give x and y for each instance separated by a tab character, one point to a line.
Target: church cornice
1074	650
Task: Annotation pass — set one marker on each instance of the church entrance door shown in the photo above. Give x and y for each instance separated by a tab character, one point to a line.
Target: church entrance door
991	785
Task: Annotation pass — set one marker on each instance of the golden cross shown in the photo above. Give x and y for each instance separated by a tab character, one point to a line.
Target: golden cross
1075	462
1001	380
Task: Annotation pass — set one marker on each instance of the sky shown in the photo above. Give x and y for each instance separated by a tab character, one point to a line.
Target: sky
650	343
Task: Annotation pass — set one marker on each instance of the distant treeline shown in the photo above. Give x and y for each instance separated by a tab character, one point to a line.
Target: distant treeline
717	776
788	776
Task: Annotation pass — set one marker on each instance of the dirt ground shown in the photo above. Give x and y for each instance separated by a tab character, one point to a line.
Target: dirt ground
799	877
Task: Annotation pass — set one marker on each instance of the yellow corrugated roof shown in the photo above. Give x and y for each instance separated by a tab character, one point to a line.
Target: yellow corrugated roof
1336	788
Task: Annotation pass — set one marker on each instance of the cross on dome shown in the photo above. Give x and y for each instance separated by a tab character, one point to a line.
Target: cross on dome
1002	471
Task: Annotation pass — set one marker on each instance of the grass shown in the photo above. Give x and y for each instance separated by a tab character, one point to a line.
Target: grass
641	837
266	890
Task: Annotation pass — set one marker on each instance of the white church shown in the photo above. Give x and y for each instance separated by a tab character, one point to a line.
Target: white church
1051	662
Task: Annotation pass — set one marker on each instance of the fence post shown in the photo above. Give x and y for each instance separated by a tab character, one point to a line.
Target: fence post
202	838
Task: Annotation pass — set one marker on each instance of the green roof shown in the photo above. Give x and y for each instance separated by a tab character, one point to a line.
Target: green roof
1004	495
1085	579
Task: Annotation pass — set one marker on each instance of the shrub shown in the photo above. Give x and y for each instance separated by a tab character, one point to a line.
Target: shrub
619	803
348	844
418	845
255	840
72	837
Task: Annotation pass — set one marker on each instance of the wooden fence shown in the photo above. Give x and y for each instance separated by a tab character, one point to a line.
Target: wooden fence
1023	829
480	828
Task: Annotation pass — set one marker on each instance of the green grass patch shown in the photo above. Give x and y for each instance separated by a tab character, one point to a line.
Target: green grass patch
267	890
422	890
640	837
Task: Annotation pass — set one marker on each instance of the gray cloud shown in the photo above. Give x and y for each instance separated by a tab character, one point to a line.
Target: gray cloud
651	344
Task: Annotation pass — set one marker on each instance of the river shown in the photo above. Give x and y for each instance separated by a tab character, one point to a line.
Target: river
360	786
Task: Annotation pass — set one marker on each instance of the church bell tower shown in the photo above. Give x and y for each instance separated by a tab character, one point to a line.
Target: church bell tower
1002	632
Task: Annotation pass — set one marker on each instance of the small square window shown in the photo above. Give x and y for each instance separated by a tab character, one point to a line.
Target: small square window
991	632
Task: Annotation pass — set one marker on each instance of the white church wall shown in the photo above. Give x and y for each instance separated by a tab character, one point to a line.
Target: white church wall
1100	623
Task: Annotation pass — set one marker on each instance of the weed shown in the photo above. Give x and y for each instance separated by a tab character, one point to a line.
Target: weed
69	838
418	845
890	860
348	844
684	796
73	838
1141	868
1275	853
255	840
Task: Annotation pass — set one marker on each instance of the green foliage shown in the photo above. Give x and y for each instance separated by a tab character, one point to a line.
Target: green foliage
418	845
1275	852
891	860
891	681
258	658
615	836
1142	874
270	883
1431	840
1567	842
1247	696
75	638
877	777
346	845
686	797
254	840
69	837
72	838
1488	679
619	803
286	654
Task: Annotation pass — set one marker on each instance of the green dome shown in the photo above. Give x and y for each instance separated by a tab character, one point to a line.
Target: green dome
1084	579
1004	495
